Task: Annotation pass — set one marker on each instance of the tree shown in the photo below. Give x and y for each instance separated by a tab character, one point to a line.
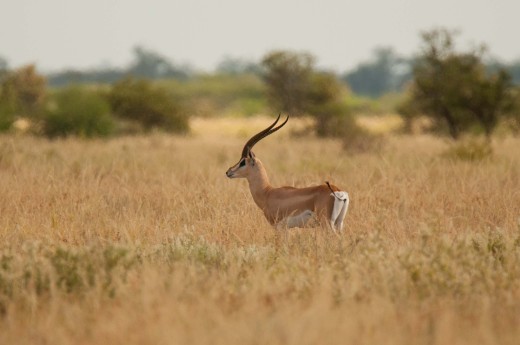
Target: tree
151	106
512	68
491	99
149	64
235	66
101	75
146	64
325	103
6	113
295	87
23	91
454	89
288	77
386	72
3	66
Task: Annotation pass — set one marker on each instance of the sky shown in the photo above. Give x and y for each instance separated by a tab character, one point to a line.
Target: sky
59	34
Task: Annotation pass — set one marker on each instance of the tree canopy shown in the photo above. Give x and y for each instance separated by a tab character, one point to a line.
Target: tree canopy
295	87
385	72
288	77
146	63
23	91
455	89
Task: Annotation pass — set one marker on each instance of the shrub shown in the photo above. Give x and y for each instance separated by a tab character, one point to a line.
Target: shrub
78	111
149	105
23	91
332	118
6	117
210	95
358	140
470	149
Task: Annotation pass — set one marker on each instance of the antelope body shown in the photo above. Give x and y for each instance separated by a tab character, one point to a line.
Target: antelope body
289	206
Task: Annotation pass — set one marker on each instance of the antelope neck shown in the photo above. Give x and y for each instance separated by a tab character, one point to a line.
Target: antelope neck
259	185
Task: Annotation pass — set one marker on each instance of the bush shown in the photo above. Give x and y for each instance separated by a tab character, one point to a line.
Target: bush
23	91
336	120
210	95
6	117
358	140
148	105
332	118
78	111
470	149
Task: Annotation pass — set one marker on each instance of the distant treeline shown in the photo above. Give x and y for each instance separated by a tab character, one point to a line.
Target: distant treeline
385	71
388	71
146	64
459	92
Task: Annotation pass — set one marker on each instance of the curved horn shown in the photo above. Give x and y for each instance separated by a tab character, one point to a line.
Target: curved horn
262	134
255	138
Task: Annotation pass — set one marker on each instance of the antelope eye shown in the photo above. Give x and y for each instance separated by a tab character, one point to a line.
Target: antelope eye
242	163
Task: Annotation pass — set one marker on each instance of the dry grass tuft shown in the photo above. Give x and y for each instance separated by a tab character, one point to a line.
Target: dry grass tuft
142	240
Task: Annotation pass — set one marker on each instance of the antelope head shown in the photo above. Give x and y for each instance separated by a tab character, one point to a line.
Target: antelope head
248	163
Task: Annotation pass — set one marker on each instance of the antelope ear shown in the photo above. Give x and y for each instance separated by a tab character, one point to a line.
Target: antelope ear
252	157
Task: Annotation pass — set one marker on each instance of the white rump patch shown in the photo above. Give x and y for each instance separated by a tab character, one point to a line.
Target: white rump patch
339	211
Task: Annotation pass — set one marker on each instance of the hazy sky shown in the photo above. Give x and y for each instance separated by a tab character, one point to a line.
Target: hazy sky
56	34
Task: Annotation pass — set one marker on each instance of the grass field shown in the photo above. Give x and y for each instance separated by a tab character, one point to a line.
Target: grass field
143	240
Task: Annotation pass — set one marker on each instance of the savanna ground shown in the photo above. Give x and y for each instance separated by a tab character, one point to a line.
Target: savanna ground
143	240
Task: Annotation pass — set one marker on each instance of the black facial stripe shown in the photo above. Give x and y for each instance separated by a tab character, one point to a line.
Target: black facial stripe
242	163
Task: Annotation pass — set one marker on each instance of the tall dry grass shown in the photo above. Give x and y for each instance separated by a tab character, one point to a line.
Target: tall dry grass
143	240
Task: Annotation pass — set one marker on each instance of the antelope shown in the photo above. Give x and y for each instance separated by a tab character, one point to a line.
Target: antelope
289	207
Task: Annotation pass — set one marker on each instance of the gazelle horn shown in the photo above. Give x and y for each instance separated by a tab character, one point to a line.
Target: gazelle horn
262	134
